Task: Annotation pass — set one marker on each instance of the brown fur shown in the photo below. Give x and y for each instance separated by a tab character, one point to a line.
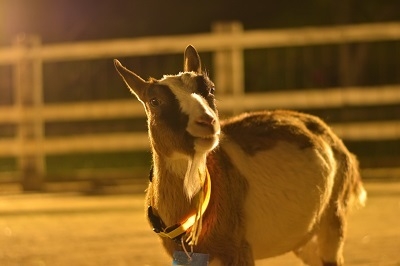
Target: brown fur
270	128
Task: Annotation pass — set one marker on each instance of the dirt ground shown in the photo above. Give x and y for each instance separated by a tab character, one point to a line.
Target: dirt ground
73	229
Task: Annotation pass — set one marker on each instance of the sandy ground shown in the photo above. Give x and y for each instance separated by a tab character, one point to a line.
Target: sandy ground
73	229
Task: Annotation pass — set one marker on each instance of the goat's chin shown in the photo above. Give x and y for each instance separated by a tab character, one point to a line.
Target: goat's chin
206	144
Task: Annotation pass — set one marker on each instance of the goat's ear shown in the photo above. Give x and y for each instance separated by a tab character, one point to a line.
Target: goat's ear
135	83
192	60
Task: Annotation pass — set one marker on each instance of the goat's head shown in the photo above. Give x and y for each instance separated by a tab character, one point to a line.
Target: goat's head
181	113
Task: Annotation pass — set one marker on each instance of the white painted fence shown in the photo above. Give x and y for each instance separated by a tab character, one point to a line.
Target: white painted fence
227	42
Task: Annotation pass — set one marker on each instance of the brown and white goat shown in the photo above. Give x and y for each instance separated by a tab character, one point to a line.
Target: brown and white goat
281	180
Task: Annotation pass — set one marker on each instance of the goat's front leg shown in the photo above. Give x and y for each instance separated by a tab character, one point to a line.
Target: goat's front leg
243	256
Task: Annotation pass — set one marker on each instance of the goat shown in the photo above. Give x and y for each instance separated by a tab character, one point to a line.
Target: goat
280	180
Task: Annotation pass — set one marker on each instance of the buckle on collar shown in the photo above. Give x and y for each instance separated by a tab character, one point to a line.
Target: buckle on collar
174	232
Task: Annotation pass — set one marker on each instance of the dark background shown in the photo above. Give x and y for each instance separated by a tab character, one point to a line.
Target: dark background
73	20
371	64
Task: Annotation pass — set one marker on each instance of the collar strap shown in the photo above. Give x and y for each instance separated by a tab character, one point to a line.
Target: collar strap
177	230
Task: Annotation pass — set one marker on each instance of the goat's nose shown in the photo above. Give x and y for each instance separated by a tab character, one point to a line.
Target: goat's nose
205	120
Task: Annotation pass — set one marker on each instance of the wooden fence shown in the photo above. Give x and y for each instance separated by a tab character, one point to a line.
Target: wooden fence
227	43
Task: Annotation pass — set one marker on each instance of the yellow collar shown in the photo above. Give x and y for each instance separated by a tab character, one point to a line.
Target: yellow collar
177	230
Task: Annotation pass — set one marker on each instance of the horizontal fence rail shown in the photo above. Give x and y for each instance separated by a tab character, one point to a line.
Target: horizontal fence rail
207	42
313	98
80	143
382	130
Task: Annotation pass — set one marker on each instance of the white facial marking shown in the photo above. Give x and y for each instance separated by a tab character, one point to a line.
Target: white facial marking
184	87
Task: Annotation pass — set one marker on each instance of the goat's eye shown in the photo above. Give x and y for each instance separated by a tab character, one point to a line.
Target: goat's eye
212	90
154	102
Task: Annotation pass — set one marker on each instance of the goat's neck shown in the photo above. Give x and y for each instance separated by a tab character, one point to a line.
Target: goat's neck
167	191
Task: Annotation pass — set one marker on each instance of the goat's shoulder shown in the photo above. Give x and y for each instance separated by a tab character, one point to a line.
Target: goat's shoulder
257	131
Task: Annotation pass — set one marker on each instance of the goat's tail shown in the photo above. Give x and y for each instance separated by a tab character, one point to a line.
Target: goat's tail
357	193
360	197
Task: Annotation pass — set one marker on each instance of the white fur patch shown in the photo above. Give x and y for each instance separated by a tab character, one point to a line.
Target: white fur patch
182	86
195	175
288	188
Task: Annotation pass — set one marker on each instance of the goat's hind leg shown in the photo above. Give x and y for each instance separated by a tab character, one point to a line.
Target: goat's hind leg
326	247
331	235
308	253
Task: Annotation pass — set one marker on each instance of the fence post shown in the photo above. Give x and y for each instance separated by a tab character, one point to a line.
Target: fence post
229	62
28	100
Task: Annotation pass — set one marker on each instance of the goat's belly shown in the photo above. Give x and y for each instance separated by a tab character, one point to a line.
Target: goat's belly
288	190
277	223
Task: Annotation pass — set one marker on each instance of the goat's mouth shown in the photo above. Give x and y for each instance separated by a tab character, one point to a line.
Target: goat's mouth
206	137
210	137
206	143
